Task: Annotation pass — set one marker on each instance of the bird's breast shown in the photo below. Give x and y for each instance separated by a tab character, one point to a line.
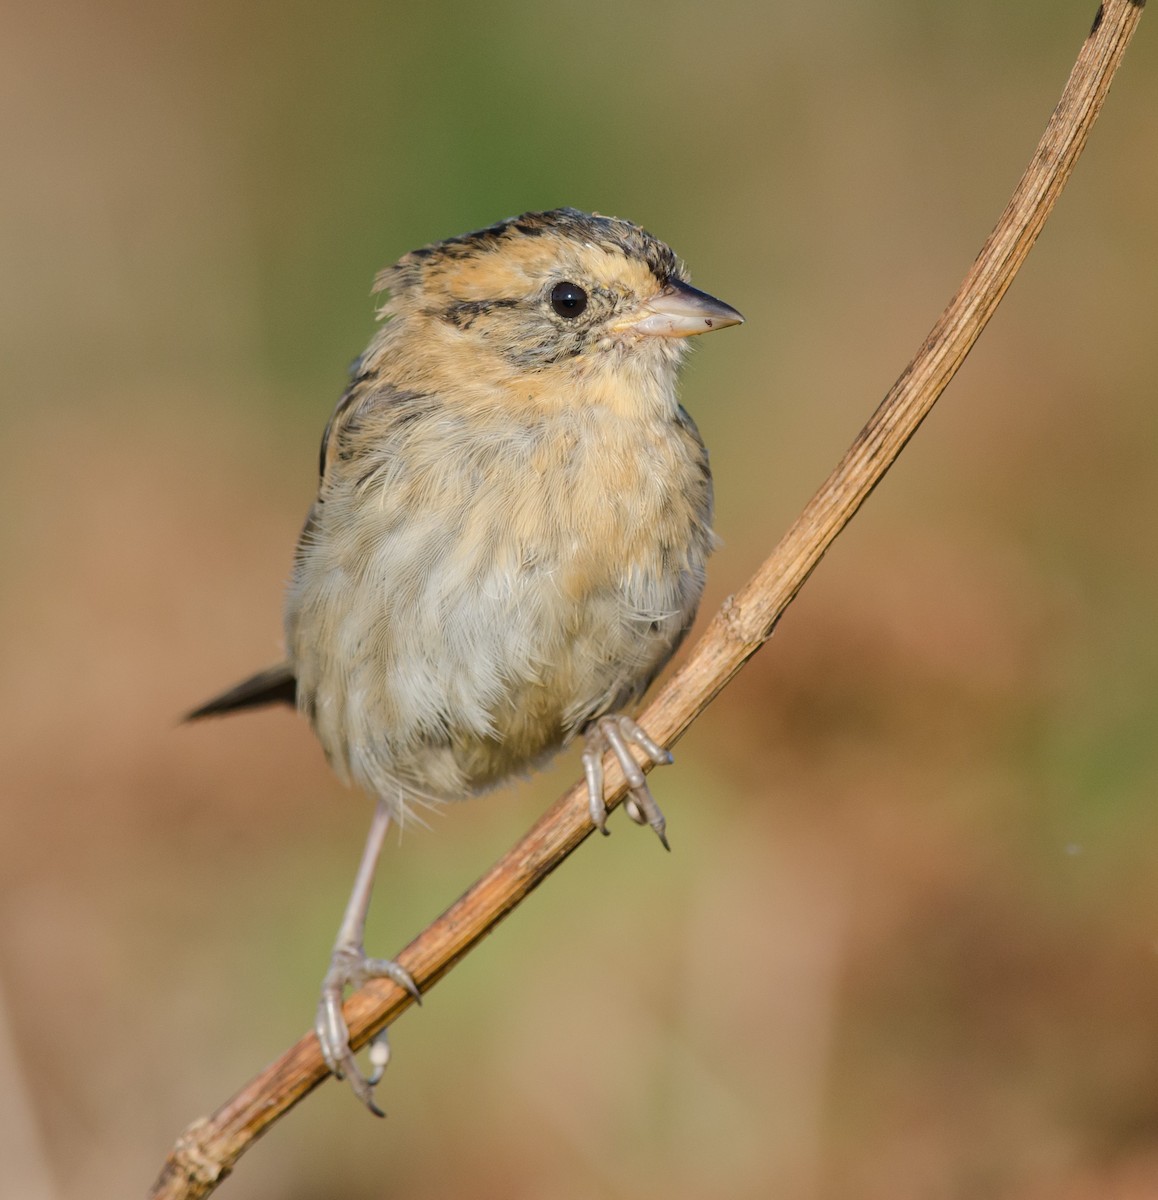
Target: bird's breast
485	592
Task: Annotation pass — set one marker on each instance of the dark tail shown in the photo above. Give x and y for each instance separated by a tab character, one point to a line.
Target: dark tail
275	685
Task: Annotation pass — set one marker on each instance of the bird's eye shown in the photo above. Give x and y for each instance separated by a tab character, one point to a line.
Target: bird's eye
568	299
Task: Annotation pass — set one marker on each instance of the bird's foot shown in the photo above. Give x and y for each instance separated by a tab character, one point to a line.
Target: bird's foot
350	967
616	733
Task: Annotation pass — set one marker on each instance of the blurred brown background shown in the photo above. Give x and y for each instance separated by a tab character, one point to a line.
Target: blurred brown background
907	942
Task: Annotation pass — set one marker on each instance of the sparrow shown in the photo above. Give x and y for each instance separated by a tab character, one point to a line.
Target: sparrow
509	540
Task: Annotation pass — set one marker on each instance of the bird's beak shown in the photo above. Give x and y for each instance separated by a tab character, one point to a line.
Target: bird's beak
681	311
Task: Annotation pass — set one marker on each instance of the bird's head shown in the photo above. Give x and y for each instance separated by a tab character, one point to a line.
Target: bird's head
544	300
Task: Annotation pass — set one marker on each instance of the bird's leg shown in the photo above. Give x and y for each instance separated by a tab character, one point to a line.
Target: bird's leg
350	967
613	733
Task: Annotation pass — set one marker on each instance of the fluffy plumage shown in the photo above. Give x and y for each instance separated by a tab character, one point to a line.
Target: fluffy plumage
513	516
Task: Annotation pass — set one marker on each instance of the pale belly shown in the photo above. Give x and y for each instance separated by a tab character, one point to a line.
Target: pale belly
462	623
452	681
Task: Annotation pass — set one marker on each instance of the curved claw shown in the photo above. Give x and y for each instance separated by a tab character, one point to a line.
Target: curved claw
350	967
615	732
387	968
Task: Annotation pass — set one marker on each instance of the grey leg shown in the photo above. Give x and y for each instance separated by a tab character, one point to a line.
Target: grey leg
350	967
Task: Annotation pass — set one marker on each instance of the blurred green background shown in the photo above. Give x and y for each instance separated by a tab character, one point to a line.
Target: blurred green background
907	942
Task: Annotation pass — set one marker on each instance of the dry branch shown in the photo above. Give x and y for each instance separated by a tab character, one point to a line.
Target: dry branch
209	1148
